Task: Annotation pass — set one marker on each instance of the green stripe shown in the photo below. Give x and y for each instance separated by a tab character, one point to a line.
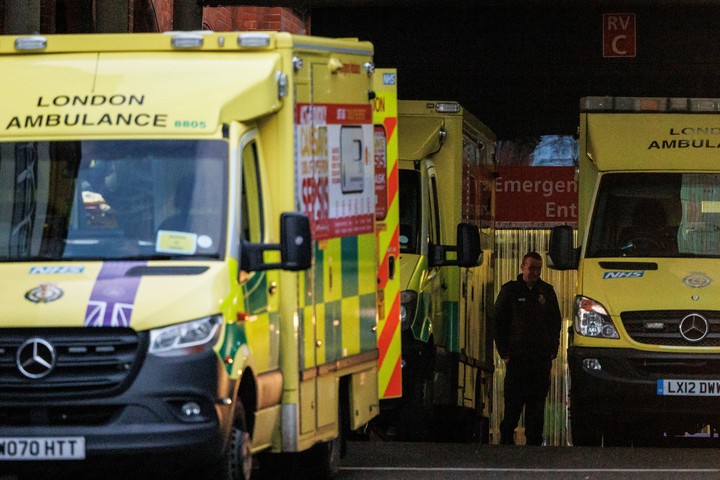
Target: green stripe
255	292
451	315
231	343
349	252
319	279
368	337
333	333
421	325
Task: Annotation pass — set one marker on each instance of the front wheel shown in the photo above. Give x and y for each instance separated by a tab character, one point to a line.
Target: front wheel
237	461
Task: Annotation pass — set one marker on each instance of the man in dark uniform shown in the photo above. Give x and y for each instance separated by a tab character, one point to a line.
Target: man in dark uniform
527	324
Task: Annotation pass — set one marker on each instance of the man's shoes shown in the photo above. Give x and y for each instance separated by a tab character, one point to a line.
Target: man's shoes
506	440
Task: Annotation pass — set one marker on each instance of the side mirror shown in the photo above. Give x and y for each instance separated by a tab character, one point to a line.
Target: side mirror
295	247
296	242
561	253
469	250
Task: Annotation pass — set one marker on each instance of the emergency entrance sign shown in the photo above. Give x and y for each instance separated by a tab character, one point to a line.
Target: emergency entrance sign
619	35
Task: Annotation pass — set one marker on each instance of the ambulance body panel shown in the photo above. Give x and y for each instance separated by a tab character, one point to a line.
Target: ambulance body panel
188	235
643	346
446	190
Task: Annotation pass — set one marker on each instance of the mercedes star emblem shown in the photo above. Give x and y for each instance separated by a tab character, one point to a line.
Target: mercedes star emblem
35	358
694	327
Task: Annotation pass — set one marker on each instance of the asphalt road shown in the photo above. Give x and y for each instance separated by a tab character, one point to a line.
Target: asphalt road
451	461
379	460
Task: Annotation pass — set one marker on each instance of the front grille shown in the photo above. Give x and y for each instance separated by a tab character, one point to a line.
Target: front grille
58	415
89	361
668	367
636	324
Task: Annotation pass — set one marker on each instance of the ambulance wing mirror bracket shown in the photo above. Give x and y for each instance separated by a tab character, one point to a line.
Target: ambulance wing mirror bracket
561	254
295	247
468	248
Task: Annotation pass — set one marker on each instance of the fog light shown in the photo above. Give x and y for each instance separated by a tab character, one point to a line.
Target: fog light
190	410
592	364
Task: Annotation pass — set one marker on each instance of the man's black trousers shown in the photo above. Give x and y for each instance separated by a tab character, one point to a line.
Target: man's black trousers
527	382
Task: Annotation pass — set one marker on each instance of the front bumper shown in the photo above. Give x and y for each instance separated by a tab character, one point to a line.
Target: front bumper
626	385
143	419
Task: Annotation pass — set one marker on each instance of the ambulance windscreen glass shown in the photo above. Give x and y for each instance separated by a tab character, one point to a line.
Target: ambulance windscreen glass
656	215
108	200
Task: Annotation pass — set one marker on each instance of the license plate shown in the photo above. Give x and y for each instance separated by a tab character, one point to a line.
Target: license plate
689	388
42	448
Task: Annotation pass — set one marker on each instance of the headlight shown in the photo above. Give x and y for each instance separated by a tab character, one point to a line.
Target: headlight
408	305
592	320
185	338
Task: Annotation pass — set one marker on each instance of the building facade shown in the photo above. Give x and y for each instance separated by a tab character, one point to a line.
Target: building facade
115	16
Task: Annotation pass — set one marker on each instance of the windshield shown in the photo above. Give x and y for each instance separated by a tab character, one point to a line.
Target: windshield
656	215
111	200
410	211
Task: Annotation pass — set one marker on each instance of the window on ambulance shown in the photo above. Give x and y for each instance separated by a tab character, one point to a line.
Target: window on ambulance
642	215
112	199
410	210
699	231
251	211
434	213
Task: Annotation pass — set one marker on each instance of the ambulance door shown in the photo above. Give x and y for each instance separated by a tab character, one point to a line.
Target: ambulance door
433	291
345	272
260	319
311	167
327	269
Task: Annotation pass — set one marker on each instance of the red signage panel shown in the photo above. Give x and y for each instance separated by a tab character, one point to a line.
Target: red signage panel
537	197
619	35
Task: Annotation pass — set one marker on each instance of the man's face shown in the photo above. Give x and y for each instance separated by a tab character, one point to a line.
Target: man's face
531	270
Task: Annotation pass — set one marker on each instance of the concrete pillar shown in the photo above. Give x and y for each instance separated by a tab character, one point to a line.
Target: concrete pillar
22	17
112	16
187	15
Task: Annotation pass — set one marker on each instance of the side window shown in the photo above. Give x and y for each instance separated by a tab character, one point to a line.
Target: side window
434	224
251	198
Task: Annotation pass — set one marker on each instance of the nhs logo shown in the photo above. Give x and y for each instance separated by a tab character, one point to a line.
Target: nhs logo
388	79
55	270
623	274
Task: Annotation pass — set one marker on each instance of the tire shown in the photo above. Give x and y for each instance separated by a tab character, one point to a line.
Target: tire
237	462
481	428
323	460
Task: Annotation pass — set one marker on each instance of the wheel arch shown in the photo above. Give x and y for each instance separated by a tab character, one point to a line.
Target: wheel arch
247	396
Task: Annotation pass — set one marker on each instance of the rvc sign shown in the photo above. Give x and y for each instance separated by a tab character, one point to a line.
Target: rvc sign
619	35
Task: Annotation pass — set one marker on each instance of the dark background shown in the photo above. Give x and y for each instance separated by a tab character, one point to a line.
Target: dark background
522	70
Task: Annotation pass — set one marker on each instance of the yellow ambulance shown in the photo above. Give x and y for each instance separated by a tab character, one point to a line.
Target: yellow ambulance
446	181
190	248
644	346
